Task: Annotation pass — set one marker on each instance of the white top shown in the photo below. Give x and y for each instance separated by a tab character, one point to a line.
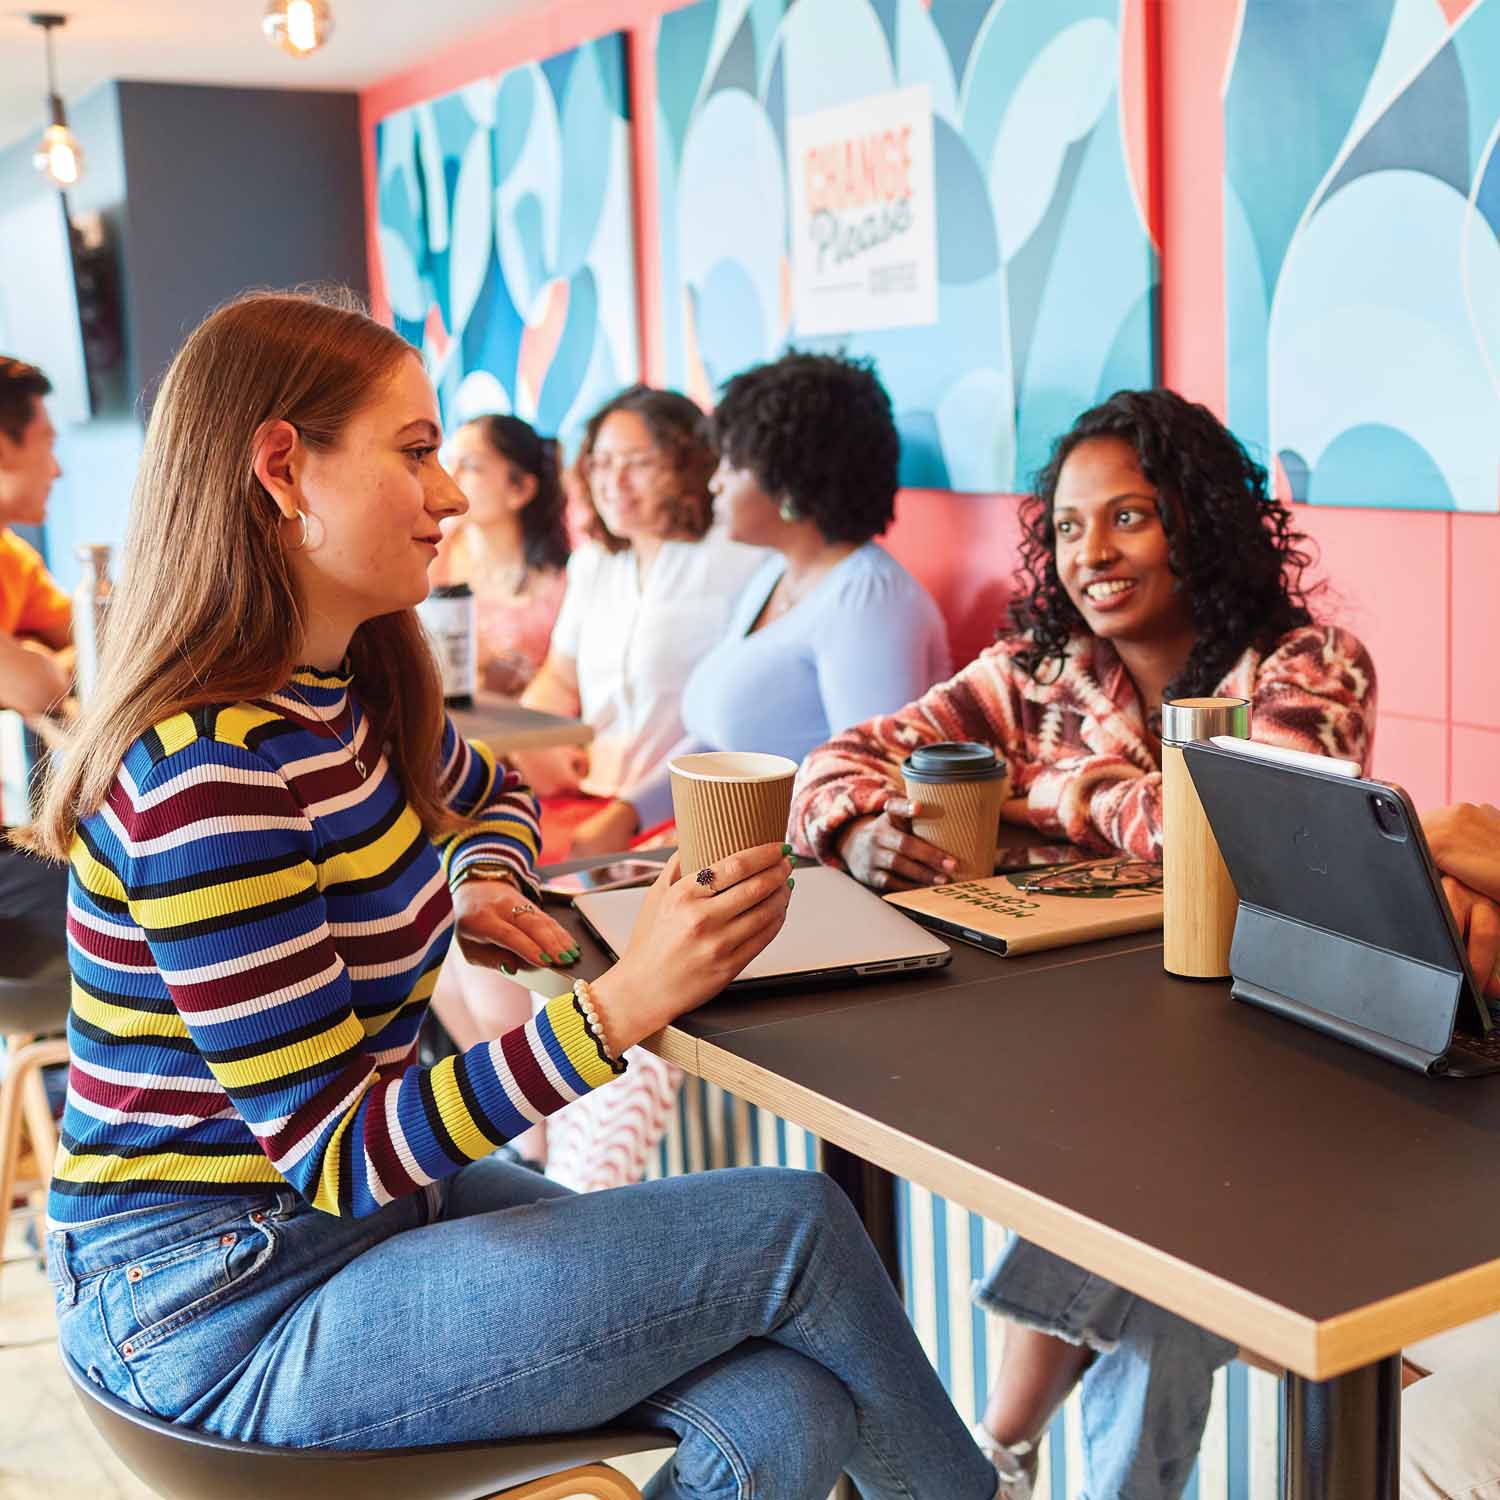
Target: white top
635	644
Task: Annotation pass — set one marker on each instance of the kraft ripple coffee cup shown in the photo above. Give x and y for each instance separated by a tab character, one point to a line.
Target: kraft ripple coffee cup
961	787
729	800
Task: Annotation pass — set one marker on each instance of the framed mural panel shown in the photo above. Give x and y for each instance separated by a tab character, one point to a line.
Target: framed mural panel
504	228
1362	248
1045	276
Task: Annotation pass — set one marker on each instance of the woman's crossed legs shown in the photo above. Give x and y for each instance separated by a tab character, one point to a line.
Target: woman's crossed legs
744	1310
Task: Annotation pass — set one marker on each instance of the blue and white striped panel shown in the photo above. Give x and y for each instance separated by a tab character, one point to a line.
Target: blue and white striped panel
711	1128
943	1248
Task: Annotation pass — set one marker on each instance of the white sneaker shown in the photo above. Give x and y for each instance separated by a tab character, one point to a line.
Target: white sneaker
1014	1463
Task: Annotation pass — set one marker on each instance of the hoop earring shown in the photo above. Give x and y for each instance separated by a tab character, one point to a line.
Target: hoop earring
311	535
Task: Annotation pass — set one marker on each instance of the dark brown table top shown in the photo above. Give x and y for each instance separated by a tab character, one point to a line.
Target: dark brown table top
1317	1204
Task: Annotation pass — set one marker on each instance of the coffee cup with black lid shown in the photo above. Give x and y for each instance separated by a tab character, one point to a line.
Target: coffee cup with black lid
960	786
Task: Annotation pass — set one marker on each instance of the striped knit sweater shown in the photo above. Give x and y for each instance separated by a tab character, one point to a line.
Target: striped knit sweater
1077	743
255	929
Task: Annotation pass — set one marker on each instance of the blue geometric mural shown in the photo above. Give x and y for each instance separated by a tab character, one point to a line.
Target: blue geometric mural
505	238
1362	248
1046	273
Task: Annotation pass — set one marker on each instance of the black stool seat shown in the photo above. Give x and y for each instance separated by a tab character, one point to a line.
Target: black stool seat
180	1463
35	1003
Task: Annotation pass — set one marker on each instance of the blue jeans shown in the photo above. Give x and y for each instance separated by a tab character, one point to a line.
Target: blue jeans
1145	1397
745	1311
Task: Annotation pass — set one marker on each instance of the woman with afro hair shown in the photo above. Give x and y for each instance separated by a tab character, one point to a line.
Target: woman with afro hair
808	459
1155	565
829	630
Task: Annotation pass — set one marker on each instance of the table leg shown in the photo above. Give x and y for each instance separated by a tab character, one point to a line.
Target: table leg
1342	1437
872	1190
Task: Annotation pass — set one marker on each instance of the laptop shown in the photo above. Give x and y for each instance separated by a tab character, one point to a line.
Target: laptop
1342	922
835	929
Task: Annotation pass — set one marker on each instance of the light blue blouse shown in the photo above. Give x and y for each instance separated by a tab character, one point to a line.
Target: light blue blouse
868	640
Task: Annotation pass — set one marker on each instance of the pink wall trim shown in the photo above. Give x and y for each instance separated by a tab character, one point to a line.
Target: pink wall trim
1196	38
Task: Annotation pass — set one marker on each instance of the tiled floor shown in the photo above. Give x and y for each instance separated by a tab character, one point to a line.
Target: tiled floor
48	1450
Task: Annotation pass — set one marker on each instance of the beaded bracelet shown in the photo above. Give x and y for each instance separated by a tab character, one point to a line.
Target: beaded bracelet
583	1003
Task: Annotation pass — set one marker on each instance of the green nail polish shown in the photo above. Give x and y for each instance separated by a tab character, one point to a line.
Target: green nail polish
546	958
786	850
791	881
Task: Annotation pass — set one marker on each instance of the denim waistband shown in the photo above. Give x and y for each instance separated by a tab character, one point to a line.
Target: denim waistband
80	1250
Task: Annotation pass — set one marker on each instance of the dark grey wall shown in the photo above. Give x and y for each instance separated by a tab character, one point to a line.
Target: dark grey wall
210	191
230	189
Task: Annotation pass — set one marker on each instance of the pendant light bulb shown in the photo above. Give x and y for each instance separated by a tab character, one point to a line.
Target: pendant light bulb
298	26
60	156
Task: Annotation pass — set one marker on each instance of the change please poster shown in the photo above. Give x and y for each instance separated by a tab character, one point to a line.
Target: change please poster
864	215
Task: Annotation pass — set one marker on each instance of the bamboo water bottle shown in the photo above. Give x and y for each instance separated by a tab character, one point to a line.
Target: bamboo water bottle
1200	900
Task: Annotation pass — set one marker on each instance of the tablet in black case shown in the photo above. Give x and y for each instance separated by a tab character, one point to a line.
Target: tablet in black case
1342	922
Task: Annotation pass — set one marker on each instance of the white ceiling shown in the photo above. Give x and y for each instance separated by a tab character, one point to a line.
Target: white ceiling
219	41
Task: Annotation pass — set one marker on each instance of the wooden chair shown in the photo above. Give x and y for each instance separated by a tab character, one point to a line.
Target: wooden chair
30	1007
181	1463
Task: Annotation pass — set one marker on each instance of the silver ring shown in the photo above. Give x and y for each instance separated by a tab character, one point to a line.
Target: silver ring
522	909
705	877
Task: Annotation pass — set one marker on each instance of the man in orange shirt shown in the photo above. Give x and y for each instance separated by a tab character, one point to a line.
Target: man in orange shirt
34	615
35	629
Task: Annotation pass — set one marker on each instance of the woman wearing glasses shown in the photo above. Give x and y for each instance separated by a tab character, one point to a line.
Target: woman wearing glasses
648	595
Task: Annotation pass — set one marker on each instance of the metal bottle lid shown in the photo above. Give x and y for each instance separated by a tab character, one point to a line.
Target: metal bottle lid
1184	720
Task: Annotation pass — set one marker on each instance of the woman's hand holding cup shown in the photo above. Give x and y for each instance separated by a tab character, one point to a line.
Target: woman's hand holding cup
692	937
882	852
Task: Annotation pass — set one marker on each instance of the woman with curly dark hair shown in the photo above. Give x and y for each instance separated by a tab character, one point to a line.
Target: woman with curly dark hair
1155	565
808	458
512	546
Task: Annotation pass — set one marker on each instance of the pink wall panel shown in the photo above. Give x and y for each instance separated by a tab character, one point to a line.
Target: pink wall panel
1476	765
1388	582
1413	753
1197	37
1476	620
964	548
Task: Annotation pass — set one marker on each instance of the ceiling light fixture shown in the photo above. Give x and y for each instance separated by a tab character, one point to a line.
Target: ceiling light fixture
60	156
298	26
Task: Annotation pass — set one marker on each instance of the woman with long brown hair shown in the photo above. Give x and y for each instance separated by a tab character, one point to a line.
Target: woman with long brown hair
266	1220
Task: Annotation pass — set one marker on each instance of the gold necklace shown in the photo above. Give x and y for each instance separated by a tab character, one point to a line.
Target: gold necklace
344	744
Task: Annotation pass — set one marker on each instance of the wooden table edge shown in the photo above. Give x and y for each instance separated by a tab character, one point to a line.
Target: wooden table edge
1277	1335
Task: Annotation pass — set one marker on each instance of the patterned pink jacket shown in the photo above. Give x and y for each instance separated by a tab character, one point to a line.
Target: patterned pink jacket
1078	745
